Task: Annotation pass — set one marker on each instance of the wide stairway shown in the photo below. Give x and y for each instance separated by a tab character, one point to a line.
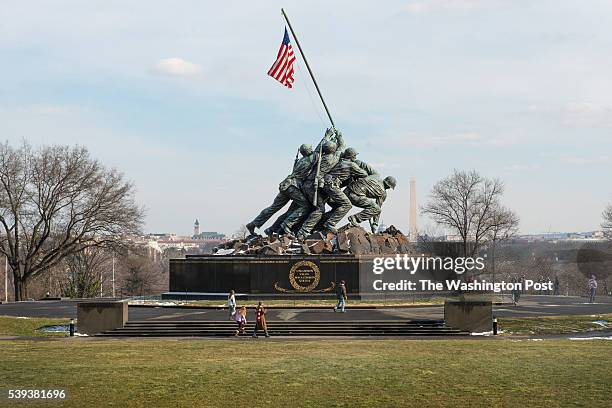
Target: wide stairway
198	328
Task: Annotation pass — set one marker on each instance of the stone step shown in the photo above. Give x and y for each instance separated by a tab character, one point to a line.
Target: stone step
286	329
286	325
283	334
195	328
292	322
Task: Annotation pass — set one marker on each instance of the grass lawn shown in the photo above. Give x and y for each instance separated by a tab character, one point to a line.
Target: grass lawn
19	326
553	324
14	326
315	373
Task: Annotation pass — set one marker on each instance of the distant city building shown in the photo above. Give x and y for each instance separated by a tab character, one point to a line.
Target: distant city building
589	236
157	243
205	235
457	238
209	236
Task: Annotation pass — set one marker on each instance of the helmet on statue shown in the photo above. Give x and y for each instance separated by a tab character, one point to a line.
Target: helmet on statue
350	154
329	147
390	182
306	149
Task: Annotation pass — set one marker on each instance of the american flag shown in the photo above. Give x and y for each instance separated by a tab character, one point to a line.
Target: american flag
282	69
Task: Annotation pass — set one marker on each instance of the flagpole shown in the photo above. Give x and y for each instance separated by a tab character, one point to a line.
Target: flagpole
308	66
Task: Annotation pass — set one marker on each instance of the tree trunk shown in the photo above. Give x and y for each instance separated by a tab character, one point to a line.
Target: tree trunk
21	288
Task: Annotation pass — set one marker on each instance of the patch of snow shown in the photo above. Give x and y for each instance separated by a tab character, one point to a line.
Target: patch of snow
591	338
23	317
154	303
166	303
535	339
488	333
602	323
60	328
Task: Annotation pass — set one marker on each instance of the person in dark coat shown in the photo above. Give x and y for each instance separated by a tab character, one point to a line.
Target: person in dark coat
592	289
260	320
556	286
341	296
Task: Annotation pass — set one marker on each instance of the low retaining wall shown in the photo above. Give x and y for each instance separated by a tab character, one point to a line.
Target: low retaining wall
472	316
97	317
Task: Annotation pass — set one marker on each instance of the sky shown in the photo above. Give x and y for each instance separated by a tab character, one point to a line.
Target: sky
175	95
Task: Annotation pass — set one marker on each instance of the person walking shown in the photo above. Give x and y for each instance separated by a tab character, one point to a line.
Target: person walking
260	322
592	289
231	304
517	290
556	286
240	319
341	296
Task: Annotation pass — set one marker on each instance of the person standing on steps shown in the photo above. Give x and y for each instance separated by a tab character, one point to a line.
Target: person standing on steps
592	289
260	322
231	304
240	318
341	296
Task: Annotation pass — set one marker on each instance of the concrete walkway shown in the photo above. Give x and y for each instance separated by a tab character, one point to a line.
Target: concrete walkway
530	305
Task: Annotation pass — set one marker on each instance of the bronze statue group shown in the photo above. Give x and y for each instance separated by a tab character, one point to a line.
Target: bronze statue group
330	176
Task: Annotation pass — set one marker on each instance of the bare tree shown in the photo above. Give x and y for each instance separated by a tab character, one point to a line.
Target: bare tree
504	225
430	232
468	204
141	275
56	201
607	221
241	233
85	272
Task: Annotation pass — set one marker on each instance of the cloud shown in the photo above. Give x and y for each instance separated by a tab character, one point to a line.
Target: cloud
432	6
50	110
585	161
522	167
575	160
465	138
177	67
577	114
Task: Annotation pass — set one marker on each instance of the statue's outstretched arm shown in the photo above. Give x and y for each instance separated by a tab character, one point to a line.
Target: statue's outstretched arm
341	146
329	135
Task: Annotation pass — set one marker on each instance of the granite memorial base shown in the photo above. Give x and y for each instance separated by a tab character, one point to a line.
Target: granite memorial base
97	317
262	277
472	316
284	277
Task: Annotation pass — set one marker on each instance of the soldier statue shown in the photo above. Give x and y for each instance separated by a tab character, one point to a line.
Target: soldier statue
333	183
336	178
289	189
341	175
369	193
330	156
